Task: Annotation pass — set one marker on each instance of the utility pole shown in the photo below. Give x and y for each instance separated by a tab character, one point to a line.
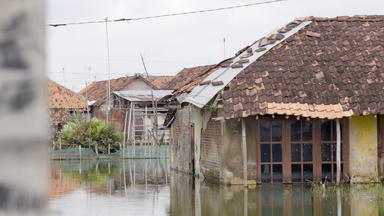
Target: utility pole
109	71
224	46
63	76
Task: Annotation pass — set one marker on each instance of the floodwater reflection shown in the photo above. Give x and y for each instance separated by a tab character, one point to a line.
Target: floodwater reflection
188	198
126	187
148	187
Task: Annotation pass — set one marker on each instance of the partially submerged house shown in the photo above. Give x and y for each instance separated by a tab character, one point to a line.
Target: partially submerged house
276	111
131	104
62	103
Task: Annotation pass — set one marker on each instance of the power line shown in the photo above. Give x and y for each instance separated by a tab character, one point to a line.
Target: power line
164	15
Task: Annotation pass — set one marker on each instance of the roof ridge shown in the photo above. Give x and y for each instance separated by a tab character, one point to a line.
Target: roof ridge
355	18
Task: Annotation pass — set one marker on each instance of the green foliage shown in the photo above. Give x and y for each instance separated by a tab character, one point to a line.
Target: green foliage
93	134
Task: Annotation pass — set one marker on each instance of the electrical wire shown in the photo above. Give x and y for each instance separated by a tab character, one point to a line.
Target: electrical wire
164	15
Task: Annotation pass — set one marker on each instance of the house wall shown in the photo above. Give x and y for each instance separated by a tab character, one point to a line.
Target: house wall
363	149
137	84
211	144
181	139
232	161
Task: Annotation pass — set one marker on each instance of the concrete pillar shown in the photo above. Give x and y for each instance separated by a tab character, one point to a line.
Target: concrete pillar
23	112
197	119
363	149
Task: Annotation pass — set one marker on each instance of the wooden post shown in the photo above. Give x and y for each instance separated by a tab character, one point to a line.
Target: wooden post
86	101
129	122
60	148
109	148
125	129
244	148
338	152
80	151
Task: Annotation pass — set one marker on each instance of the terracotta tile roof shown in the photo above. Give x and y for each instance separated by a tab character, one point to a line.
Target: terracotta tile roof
98	90
188	78
59	115
331	68
161	82
63	98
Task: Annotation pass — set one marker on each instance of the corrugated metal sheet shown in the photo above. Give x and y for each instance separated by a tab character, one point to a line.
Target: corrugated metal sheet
202	94
143	95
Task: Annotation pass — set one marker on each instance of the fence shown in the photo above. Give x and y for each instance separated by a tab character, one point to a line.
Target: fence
134	152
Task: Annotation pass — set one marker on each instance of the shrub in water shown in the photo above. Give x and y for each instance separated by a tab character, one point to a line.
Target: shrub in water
93	134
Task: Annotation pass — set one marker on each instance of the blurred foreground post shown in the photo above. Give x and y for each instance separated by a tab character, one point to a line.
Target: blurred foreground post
23	112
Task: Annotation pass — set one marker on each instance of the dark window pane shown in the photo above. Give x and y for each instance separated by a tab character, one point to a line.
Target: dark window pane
265	153
307	130
308	172
307	152
265	130
277	173
295	131
296	172
326	152
326	172
295	153
326	131
276	153
265	173
276	131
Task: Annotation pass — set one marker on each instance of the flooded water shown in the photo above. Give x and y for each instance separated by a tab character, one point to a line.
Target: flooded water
148	187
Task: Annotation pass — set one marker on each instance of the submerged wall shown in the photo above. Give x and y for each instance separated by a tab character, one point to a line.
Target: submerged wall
181	141
363	149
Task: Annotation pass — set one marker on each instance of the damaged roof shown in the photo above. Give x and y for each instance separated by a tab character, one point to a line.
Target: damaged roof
161	82
97	91
143	95
188	78
63	98
330	68
225	71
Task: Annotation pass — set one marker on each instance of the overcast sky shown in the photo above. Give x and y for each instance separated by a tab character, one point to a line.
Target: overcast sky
167	44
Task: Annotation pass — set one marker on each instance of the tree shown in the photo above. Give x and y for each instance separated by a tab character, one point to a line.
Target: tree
93	134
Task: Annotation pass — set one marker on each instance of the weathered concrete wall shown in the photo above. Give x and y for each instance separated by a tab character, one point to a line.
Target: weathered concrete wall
211	144
363	149
181	139
137	84
232	160
197	120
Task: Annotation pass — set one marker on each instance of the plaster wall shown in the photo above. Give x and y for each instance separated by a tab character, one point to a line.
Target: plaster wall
137	84
181	141
363	149
232	161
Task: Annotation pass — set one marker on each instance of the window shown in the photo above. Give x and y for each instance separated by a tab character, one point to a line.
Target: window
301	151
271	152
328	150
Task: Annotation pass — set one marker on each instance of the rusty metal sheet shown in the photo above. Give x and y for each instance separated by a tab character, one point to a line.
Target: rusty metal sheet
143	95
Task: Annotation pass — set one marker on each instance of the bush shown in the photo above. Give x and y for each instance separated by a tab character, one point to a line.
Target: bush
93	134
